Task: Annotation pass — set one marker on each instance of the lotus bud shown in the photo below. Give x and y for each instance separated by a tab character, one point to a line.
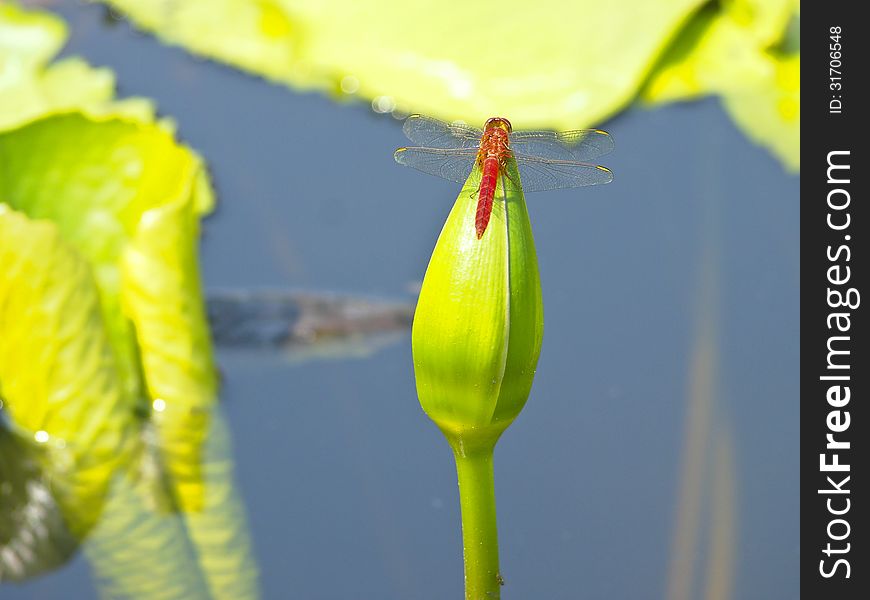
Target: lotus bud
479	320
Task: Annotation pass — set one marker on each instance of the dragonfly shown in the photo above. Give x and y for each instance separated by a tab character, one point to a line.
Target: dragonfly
546	160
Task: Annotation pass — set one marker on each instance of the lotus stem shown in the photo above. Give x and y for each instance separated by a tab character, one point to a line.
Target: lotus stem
479	532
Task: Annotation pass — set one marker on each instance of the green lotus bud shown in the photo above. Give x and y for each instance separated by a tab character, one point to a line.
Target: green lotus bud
479	320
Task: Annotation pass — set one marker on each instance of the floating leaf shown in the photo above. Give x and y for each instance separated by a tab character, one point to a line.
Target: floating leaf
714	54
768	19
548	63
101	312
59	377
726	47
28	88
555	65
128	198
770	113
734	49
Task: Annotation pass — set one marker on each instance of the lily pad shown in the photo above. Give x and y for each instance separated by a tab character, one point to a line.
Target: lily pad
548	63
29	87
770	113
106	369
735	50
726	47
59	377
128	198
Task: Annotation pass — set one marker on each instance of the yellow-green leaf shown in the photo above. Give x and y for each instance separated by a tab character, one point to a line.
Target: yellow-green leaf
547	63
28	87
768	19
59	377
743	51
128	198
770	113
713	54
28	40
725	47
101	314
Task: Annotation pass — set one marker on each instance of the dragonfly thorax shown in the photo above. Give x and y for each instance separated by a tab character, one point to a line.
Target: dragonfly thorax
495	141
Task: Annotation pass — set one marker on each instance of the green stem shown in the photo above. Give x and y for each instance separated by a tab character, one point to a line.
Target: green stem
479	535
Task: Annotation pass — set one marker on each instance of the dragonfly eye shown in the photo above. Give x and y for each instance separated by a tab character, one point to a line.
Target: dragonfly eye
498	122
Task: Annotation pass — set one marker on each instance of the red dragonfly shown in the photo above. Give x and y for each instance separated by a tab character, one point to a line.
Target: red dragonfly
546	160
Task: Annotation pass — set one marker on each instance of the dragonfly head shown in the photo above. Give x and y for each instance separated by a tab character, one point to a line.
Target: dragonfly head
498	123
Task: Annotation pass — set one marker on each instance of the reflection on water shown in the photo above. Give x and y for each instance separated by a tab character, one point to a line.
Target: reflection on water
277	319
720	569
706	498
33	534
152	537
148	545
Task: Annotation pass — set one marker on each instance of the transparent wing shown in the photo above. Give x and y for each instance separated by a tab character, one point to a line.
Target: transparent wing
541	174
577	145
451	164
425	131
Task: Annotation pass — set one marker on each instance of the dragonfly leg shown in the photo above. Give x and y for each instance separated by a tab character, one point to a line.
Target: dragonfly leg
507	175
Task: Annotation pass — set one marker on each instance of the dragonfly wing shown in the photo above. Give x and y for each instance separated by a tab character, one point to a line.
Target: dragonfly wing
577	145
453	165
540	174
426	131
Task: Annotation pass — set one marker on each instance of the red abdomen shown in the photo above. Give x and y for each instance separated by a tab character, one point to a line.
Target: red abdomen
488	182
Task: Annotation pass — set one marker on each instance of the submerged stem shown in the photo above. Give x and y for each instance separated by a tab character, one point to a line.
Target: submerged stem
479	534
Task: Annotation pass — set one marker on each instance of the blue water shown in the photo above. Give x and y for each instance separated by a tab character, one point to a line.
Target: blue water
350	490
